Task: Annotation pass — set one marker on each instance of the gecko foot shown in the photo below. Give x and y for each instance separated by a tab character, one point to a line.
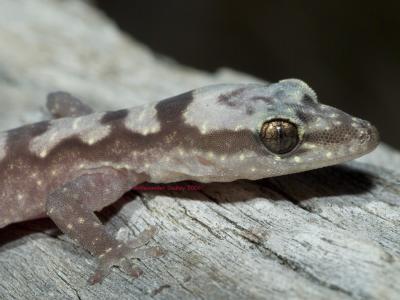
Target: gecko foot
121	255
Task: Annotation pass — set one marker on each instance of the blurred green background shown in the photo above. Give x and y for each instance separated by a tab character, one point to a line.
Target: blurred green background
348	51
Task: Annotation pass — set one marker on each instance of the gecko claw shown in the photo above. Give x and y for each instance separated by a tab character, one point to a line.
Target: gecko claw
99	275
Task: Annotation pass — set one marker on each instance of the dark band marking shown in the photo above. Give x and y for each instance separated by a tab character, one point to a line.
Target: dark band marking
113	116
229	100
27	132
227	97
122	141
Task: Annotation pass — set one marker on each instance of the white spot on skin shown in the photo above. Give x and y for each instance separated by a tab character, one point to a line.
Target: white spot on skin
70	226
87	128
241	157
95	135
20	196
204	128
309	145
297	159
210	155
39	183
329	154
108	250
253	169
147	121
223	157
337	123
53	137
239	127
81	220
353	149
75	124
95	224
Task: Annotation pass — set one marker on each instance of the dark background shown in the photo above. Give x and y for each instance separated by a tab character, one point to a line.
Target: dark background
349	52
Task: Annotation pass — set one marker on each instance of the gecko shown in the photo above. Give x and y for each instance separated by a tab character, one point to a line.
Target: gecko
75	164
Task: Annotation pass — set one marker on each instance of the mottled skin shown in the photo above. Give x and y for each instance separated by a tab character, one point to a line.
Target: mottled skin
70	167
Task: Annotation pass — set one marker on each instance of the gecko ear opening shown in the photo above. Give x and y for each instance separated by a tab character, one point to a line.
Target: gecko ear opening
279	136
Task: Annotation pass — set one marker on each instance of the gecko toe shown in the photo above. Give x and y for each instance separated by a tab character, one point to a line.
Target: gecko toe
143	238
148	253
129	268
99	275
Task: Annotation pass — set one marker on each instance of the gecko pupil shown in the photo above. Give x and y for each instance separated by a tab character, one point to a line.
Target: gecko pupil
279	136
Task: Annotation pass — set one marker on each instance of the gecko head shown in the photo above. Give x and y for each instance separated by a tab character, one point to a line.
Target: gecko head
291	130
303	134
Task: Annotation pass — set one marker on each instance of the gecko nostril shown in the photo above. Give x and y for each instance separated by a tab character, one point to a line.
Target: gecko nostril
368	135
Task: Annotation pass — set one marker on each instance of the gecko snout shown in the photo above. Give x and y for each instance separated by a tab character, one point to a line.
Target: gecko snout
368	136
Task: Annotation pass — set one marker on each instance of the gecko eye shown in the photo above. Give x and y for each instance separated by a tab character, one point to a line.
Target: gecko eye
279	136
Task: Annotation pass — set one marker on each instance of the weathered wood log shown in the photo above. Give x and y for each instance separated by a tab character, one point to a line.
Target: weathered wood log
325	234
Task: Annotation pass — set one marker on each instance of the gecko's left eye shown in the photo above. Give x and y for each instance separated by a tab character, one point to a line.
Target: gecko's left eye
279	136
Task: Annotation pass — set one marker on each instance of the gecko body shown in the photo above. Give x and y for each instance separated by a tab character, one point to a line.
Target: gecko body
82	161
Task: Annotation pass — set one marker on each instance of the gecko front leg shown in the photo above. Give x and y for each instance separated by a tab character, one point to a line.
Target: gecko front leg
72	207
